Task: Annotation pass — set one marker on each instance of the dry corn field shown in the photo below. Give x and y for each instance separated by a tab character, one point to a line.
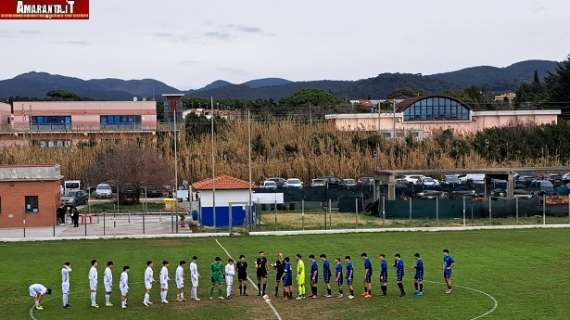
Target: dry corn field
280	148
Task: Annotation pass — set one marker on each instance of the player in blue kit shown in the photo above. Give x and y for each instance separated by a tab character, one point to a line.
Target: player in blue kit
367	276
383	274
287	279
419	276
314	276
326	274
399	266
349	276
338	276
448	265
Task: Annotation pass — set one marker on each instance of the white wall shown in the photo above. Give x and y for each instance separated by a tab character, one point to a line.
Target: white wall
223	197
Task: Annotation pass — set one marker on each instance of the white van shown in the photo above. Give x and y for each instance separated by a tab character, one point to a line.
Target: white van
71	185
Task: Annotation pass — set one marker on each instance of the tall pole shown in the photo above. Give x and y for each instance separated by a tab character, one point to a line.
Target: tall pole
393	118
250	212
213	166
379	108
175	166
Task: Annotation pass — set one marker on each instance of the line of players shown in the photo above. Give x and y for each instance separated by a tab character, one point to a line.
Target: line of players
220	274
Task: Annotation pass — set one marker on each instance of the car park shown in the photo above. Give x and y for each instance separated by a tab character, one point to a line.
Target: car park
269	184
331	180
293	183
349	183
414	179
280	182
74	198
366	181
429	182
451	179
474	177
318	183
541	187
103	191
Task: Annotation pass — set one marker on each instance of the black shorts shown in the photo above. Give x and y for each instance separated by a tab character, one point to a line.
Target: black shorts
242	276
278	277
261	274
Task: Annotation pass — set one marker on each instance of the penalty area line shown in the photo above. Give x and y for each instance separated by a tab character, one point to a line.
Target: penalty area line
253	284
488	312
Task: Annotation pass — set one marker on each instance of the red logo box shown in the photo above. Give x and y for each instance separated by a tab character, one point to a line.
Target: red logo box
44	9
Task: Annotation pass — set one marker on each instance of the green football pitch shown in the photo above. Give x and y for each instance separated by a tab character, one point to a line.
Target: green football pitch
525	271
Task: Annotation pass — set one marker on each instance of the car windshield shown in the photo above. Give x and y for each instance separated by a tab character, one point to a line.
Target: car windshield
103	187
294	181
70	194
269	183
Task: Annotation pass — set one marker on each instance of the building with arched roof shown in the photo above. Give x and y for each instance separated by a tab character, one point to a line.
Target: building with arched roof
421	116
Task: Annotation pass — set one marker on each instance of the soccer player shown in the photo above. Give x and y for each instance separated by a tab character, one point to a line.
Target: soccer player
300	279
241	267
287	279
278	266
419	277
349	276
399	266
148	280
124	286
367	276
37	291
164	278
383	274
338	276
179	278
326	274
65	271
230	273
194	277
448	265
314	276
108	282
93	283
217	277
261	268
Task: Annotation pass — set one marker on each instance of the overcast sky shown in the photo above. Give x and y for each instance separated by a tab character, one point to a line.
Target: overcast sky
189	43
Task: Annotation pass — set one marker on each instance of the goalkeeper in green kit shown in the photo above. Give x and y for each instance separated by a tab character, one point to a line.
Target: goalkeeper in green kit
217	277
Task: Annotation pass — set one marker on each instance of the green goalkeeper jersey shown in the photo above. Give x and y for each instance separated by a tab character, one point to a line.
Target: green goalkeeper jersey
217	272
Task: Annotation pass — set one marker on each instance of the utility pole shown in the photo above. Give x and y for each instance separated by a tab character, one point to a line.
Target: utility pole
250	212
394	118
213	166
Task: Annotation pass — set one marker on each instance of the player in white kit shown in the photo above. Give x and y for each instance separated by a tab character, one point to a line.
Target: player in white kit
108	282
148	280
37	291
124	286
93	283
164	282
65	275
179	278
230	271
194	277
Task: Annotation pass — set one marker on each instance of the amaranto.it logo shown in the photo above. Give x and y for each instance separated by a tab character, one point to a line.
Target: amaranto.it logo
44	9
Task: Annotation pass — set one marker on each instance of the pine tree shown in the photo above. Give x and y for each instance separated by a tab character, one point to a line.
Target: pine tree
558	83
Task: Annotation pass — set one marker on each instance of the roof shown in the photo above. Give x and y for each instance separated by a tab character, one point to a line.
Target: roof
41	172
405	104
222	183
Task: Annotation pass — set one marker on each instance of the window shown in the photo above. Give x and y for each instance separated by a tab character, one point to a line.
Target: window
436	108
48	123
52	143
32	204
120	122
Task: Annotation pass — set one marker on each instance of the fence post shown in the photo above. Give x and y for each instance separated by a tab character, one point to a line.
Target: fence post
230	213
275	214
54	222
544	209
330	214
356	208
24	223
410	207
104	224
143	221
84	223
437	210
464	218
490	210
303	214
383	210
517	210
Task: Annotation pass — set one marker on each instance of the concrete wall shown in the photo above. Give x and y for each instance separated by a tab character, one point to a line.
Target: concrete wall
12	197
223	197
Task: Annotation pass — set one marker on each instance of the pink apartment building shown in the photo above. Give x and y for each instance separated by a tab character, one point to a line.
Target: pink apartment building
62	123
420	116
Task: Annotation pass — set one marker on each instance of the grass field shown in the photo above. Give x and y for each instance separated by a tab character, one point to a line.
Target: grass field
526	271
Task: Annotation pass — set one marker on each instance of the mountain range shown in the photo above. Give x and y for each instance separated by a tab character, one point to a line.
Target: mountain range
37	84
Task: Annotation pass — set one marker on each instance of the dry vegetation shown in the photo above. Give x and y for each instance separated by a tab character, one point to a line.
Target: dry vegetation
280	148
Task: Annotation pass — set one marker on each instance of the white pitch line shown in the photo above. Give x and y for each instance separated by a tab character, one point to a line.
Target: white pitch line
253	284
488	312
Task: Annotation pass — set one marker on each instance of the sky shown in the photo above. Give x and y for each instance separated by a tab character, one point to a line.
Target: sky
189	43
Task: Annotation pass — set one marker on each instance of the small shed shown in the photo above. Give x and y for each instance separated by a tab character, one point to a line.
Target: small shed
29	195
226	192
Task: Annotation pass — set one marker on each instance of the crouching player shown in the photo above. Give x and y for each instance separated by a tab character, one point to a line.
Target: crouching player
287	279
37	291
124	286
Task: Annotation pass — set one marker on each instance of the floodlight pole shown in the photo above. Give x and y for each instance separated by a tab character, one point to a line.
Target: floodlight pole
250	212
213	166
175	168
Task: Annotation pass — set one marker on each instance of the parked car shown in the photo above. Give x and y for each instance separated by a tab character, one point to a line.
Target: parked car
279	181
522	194
475	177
349	183
154	191
566	176
451	179
294	183
103	191
331	180
429	182
269	184
541	187
555	178
414	179
366	181
318	183
431	194
74	198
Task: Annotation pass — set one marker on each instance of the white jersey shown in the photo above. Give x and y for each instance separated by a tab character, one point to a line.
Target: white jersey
148	277
124	283
108	279
179	277
230	270
93	278
36	289
164	277
194	275
65	276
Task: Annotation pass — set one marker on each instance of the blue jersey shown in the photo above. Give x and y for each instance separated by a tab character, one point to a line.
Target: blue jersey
314	271
326	270
447	262
419	269
368	265
384	269
349	271
399	265
338	270
287	274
